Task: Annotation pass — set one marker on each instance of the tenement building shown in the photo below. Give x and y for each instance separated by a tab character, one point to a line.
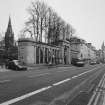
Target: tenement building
81	50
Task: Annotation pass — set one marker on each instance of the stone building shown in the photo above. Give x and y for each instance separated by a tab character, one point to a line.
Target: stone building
91	52
103	52
78	48
9	36
33	53
81	50
11	50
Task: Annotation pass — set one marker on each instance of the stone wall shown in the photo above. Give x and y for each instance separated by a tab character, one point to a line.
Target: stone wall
32	53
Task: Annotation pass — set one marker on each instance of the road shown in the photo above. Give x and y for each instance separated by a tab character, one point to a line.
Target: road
34	87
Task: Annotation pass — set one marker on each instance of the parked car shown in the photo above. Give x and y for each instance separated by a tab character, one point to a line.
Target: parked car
78	62
92	62
98	62
14	65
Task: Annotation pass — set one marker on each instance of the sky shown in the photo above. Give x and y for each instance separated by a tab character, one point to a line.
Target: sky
86	16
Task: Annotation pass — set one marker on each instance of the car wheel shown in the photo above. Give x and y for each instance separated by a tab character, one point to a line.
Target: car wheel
16	68
6	67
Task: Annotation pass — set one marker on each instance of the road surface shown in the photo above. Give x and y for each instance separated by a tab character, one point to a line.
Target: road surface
47	86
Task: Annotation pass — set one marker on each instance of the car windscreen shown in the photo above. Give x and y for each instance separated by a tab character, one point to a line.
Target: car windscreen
16	62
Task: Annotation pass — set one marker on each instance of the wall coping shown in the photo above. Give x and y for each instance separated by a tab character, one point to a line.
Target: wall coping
33	41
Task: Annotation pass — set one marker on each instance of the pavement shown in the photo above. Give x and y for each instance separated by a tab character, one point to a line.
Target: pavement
3	69
38	67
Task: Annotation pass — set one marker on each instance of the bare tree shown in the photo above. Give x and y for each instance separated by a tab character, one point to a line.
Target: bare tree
72	31
36	22
67	27
1	35
53	27
45	21
50	26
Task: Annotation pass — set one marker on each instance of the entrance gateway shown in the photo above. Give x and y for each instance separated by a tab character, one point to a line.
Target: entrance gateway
32	53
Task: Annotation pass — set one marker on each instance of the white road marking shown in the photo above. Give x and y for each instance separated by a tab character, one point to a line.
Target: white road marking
41	90
85	72
63	81
58	83
25	96
75	76
4	81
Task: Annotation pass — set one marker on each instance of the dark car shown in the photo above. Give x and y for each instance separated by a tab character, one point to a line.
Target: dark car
78	62
98	62
14	65
92	62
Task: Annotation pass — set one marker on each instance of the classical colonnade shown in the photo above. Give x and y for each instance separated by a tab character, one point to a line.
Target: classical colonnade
47	54
31	52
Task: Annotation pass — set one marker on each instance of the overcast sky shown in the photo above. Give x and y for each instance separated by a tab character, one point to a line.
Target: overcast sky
86	16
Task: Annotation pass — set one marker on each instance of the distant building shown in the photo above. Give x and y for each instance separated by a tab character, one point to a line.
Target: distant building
2	44
99	55
103	52
8	44
91	52
78	48
9	36
81	50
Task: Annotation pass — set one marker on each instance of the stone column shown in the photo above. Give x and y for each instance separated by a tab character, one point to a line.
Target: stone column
47	55
54	55
62	53
39	54
69	56
58	56
51	55
43	54
34	54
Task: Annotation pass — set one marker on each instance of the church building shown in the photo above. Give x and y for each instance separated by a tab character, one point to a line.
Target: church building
11	49
9	36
